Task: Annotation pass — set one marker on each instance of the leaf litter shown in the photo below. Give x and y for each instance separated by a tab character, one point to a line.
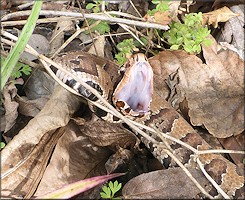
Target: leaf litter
209	91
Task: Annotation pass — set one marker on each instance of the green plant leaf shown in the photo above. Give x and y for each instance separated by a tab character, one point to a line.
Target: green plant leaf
137	44
19	69
107	192
155	1
111	186
196	48
188	35
175	47
90	6
151	12
8	66
26	69
110	190
102	28
96	9
2	145
117	186
162	7
121	58
125	48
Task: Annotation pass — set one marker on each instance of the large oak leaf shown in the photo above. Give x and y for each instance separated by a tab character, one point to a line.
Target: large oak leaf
213	90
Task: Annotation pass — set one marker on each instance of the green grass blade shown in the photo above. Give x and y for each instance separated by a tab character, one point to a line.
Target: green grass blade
26	33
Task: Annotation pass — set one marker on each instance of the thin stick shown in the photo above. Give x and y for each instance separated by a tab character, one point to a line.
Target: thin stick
98	16
39	21
74	35
125	15
219	151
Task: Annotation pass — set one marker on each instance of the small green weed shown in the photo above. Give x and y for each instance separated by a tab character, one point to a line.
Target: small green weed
19	69
95	6
126	49
161	6
110	190
188	36
103	27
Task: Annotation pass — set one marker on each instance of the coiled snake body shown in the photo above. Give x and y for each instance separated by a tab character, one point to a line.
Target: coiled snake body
148	108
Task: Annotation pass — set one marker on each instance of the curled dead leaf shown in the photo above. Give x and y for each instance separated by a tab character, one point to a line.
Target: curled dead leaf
23	157
171	183
30	107
10	105
159	17
74	158
221	15
103	133
232	35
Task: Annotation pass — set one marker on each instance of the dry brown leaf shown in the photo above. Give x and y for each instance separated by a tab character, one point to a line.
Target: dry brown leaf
22	171
213	91
159	17
30	107
127	7
119	160
233	31
103	133
5	4
19	156
232	143
10	105
220	15
98	47
171	183
163	64
162	18
75	158
223	115
57	5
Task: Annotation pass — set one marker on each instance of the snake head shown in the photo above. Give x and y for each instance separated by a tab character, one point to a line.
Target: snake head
133	94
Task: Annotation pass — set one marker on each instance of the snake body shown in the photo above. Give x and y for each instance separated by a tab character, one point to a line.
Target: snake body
102	75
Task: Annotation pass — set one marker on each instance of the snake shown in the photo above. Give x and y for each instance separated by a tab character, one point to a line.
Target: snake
131	91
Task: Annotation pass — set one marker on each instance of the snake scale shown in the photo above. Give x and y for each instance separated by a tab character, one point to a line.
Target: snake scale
148	108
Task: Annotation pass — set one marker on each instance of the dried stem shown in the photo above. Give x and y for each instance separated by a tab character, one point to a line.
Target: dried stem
98	16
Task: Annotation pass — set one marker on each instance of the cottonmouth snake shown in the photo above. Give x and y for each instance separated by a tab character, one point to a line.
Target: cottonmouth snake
148	108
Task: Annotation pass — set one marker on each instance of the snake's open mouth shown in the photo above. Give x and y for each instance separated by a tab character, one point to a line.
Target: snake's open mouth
134	93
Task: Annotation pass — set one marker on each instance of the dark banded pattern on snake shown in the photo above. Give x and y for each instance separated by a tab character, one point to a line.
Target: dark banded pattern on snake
161	116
